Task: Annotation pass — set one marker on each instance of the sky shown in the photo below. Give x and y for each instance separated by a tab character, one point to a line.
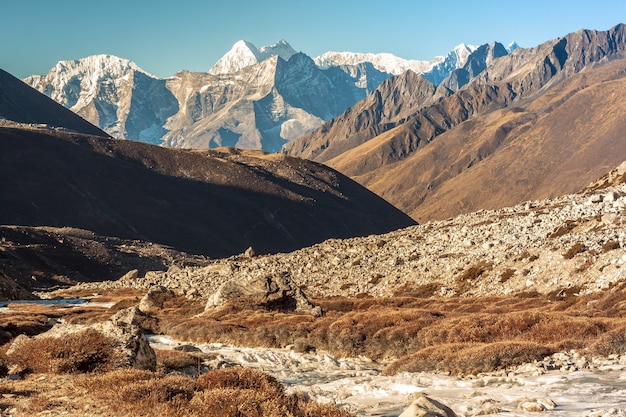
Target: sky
165	36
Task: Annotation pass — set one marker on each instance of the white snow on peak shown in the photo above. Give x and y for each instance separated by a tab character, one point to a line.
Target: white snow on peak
280	48
74	83
512	46
244	54
384	62
462	52
395	65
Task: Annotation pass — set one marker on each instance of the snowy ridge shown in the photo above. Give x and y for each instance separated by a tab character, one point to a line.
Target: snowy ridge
385	62
75	83
435	70
244	54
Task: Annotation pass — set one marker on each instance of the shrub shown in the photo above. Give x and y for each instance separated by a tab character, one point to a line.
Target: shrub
464	358
174	360
612	343
610	245
240	378
574	250
85	351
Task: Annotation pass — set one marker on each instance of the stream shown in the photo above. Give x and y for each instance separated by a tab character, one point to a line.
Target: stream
357	384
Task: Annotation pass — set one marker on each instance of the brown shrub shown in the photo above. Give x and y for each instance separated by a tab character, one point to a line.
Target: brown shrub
174	360
464	358
574	250
235	392
240	378
563	229
610	245
506	275
85	351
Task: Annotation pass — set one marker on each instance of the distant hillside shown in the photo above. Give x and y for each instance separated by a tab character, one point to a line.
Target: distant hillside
217	203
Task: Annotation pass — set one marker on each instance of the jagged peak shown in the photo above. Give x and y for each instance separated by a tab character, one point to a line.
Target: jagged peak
244	54
512	46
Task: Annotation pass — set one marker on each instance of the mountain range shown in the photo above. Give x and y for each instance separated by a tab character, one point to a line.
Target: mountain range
255	98
531	124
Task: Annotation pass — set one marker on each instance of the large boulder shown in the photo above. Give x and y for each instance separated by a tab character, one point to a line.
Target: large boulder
427	407
274	292
154	298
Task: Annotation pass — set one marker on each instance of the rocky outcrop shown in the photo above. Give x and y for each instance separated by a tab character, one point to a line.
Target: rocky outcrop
274	292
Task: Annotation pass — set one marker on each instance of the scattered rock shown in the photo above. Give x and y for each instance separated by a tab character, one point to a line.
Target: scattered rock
427	407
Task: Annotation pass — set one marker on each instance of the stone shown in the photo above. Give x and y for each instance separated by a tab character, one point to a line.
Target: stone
154	298
536	405
427	407
274	292
250	252
130	276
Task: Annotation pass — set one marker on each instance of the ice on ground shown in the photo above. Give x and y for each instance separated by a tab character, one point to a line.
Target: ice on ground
358	385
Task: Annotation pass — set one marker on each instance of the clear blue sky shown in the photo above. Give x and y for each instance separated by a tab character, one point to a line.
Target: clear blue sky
164	36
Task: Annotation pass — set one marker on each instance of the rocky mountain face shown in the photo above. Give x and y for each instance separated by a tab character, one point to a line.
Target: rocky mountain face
258	98
20	103
215	203
393	102
534	123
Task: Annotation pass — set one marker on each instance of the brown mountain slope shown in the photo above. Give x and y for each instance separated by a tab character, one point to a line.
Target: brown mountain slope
553	145
216	203
394	99
23	104
513	82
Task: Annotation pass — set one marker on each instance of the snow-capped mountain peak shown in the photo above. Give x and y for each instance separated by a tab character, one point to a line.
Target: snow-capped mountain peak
512	46
74	82
244	54
280	48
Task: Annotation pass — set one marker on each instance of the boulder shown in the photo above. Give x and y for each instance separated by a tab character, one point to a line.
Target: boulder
536	405
274	292
427	407
154	298
130	276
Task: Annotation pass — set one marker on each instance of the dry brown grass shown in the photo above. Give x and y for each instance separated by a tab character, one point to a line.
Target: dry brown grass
397	327
85	351
132	393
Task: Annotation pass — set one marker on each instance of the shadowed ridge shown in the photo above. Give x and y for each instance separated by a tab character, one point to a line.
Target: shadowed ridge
217	203
23	104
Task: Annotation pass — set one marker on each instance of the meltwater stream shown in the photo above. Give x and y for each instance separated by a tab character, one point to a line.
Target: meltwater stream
358	385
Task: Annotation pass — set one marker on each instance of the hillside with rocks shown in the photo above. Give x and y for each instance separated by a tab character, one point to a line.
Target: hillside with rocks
572	244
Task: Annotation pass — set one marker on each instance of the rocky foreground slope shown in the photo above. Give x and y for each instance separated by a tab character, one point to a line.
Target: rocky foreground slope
562	246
